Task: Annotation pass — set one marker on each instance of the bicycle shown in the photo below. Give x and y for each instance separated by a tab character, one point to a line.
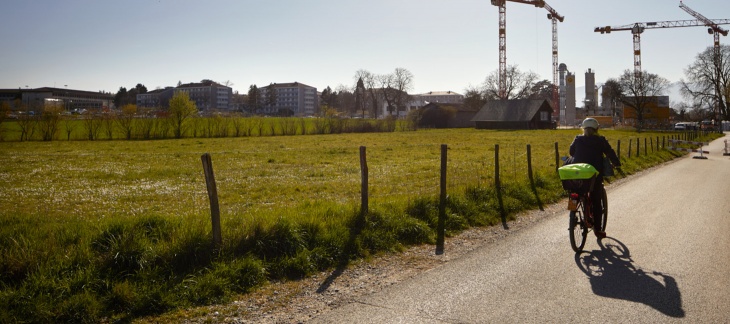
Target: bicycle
578	179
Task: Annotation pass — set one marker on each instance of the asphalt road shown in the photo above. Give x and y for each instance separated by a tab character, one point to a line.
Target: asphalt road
666	259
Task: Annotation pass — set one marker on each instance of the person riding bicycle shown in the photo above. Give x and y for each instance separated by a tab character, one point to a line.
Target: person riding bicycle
590	148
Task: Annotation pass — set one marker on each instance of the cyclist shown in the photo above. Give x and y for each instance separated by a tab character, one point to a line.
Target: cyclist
590	148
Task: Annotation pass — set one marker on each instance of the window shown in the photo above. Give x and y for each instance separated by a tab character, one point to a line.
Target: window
544	116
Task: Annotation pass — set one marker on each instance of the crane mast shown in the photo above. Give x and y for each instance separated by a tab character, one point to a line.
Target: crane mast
552	15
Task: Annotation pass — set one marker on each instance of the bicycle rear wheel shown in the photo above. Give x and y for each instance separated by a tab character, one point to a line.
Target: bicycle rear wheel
576	226
604	202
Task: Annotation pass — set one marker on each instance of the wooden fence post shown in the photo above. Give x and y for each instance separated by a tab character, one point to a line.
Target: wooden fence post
651	141
529	164
638	147
496	166
532	179
630	141
645	149
441	227
618	149
364	181
213	196
557	157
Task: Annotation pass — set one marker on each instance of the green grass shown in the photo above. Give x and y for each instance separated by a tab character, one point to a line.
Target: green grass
114	230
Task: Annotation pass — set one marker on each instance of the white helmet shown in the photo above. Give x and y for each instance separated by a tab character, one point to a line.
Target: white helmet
589	123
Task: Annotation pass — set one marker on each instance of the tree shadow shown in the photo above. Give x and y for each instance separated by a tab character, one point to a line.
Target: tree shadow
350	250
502	211
613	274
537	194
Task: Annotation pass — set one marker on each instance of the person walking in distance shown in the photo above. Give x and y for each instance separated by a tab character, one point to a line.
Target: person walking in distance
590	148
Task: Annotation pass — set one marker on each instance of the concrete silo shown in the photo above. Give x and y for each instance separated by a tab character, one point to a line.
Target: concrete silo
567	96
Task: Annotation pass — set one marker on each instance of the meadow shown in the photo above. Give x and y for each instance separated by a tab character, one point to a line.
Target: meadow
117	229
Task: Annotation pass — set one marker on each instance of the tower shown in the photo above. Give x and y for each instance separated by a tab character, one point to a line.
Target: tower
590	102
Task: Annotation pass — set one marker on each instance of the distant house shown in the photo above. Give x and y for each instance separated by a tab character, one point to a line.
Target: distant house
655	114
515	114
446	115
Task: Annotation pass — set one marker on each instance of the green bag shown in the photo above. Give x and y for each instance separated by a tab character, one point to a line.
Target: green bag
577	171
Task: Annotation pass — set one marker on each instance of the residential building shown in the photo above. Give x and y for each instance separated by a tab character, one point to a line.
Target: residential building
158	98
71	100
655	114
208	95
447	97
292	99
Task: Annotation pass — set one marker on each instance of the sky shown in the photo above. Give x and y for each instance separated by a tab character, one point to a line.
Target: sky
448	45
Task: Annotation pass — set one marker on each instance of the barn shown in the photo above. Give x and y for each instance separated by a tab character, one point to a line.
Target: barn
446	115
515	114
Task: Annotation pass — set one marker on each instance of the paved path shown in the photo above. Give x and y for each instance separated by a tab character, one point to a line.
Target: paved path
666	259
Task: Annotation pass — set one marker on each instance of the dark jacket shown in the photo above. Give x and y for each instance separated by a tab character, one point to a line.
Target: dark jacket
591	149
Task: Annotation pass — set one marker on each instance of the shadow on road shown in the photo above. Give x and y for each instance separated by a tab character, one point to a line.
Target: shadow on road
613	274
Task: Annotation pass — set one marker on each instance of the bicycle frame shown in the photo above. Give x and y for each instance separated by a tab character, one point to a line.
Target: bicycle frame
576	201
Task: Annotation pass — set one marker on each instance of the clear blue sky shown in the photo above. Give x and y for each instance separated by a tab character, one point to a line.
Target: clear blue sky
447	44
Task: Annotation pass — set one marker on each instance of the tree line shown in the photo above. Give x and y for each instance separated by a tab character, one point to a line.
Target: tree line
181	120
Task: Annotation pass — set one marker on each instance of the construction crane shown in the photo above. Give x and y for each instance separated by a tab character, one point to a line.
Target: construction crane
638	28
552	15
714	28
716	31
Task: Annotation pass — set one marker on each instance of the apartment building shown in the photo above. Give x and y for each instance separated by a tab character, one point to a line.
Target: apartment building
208	95
292	99
158	98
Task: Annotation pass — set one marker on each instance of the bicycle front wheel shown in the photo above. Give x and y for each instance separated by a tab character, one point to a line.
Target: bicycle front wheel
577	228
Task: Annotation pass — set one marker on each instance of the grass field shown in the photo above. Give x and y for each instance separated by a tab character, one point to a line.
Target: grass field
94	230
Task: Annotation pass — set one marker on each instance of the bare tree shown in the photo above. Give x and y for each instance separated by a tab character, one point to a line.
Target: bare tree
612	92
402	82
370	82
345	100
638	91
125	120
92	126
108	120
69	125
679	110
474	98
708	81
26	120
519	84
50	121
